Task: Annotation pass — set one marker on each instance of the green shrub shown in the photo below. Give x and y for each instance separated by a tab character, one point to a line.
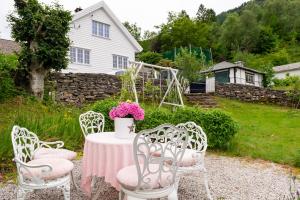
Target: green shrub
150	57
154	118
104	107
8	64
219	127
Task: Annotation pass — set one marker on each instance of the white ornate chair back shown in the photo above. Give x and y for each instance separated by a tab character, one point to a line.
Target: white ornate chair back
197	137
91	122
24	143
163	140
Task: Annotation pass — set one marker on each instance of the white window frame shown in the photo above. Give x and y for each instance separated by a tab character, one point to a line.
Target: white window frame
251	80
120	62
86	56
102	29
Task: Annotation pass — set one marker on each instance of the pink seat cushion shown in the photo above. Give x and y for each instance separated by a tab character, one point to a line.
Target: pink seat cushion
128	177
189	158
54	153
60	168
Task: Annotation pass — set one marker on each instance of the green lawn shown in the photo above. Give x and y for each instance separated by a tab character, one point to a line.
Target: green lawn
266	132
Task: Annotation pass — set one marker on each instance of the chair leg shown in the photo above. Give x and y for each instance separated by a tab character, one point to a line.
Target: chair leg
73	180
66	190
206	186
21	193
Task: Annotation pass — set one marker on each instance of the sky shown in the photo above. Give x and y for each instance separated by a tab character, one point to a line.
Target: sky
146	13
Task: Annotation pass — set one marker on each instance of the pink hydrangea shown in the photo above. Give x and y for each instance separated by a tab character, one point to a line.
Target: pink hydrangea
127	109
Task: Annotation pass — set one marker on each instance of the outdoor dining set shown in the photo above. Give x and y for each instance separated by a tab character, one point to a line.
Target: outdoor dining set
144	165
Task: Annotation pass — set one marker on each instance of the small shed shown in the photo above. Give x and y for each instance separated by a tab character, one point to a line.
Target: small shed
236	73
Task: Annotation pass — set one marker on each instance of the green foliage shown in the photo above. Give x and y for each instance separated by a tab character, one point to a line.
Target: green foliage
104	107
150	57
151	92
41	30
188	64
287	81
166	63
49	122
206	15
8	65
134	30
126	90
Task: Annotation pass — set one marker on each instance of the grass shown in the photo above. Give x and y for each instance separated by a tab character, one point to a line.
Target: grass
49	122
265	131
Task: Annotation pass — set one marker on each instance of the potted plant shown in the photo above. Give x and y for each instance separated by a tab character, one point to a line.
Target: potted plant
124	115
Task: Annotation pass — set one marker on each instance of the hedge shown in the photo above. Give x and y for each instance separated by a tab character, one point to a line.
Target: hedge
218	126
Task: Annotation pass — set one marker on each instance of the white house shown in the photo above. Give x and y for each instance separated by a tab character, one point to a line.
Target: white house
282	71
99	42
237	73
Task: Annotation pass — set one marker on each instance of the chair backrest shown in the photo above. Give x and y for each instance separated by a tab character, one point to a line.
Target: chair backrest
157	172
197	137
91	122
24	143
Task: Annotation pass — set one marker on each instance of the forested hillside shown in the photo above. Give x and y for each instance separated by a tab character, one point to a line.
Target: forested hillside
262	33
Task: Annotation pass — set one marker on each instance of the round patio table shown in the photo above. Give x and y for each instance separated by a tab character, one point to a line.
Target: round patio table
104	155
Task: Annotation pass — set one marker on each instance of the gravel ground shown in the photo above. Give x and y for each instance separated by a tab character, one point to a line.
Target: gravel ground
229	178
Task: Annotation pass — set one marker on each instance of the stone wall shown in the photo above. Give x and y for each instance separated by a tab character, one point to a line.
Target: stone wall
253	94
79	88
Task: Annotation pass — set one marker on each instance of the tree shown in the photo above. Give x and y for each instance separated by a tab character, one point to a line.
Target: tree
206	15
188	64
41	30
134	30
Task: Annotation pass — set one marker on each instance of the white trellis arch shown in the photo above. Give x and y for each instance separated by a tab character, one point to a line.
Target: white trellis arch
136	68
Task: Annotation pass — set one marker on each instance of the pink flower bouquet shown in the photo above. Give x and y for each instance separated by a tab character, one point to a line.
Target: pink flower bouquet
127	110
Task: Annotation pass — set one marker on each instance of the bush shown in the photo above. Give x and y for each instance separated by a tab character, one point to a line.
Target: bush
104	107
150	57
219	127
8	64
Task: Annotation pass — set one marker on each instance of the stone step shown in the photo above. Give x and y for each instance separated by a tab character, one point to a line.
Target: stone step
201	99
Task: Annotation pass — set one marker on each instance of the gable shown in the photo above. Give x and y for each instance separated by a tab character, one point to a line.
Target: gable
94	9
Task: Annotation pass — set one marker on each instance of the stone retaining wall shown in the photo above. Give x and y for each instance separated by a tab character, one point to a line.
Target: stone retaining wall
79	88
253	94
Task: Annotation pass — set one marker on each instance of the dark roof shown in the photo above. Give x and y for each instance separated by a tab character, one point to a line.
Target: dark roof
227	65
288	67
8	46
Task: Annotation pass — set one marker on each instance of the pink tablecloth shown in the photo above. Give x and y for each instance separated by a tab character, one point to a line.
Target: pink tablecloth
104	155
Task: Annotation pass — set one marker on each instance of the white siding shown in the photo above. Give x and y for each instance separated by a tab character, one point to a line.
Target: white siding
231	75
241	77
101	49
282	75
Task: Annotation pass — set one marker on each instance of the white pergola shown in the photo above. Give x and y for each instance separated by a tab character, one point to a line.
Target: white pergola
136	68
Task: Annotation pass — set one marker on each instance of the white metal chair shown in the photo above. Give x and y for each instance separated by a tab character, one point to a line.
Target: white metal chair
193	159
38	173
152	176
91	122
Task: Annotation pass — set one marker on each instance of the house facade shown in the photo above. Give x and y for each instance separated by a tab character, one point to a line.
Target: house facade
236	73
99	42
282	71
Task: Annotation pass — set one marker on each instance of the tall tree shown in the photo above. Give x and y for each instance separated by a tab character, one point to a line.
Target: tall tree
206	15
134	30
41	30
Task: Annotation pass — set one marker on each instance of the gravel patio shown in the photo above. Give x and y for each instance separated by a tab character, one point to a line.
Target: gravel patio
229	178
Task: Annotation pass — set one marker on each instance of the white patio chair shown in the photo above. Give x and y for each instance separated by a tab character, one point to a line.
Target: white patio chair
91	122
152	176
193	158
38	173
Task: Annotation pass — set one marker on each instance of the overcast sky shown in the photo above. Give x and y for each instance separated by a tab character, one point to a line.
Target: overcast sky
146	13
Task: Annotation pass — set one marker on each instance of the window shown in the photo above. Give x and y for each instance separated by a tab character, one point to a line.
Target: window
100	29
73	54
120	62
79	55
249	78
